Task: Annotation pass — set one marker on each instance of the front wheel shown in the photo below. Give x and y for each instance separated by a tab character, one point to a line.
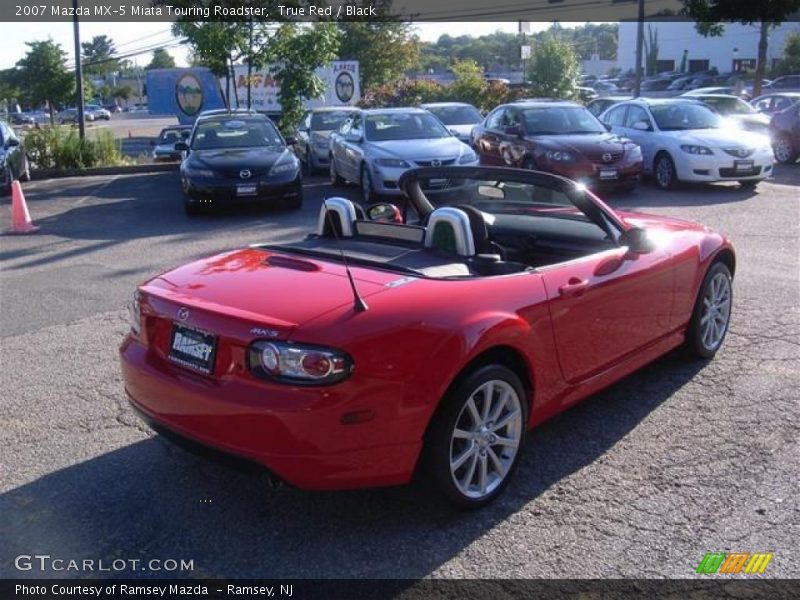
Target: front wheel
336	181
367	194
712	312
476	437
25	174
783	150
666	177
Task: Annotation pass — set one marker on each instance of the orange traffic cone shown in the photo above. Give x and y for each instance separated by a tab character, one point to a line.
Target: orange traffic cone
20	217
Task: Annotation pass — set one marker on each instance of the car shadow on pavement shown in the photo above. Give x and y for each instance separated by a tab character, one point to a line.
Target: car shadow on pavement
152	500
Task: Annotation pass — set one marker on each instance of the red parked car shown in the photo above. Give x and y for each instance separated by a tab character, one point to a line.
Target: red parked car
430	335
558	137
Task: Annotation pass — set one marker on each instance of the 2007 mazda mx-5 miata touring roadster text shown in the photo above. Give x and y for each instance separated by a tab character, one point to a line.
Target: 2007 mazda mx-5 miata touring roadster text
428	335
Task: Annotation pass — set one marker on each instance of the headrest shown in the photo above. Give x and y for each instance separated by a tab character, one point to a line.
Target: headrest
338	213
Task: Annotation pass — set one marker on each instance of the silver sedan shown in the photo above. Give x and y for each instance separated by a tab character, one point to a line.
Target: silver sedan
376	146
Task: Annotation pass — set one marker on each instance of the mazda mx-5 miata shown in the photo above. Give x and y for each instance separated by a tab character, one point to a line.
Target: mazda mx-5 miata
428	336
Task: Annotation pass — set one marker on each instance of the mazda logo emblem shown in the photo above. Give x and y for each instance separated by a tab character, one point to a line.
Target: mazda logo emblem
606	157
743	152
245	174
183	313
436	162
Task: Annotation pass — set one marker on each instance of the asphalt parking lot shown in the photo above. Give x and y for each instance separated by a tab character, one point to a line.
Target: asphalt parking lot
641	480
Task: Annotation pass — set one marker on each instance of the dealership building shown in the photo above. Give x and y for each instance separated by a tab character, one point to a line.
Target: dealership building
735	50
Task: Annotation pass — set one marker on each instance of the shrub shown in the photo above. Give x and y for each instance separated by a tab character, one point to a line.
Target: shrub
61	148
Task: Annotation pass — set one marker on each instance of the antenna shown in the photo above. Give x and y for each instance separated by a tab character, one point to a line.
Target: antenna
358	302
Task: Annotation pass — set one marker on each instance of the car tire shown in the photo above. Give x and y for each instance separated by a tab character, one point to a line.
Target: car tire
664	171
783	150
712	313
464	456
368	195
295	202
335	179
309	165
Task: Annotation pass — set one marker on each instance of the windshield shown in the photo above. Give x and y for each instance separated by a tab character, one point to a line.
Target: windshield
494	198
457	115
403	126
560	120
729	106
329	121
682	116
170	136
236	133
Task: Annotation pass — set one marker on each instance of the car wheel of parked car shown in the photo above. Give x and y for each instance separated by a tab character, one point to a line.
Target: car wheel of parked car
712	312
784	152
476	436
296	202
334	175
367	195
664	170
8	176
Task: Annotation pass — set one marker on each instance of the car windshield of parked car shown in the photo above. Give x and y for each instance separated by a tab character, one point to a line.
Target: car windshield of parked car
236	133
683	116
560	121
170	136
501	197
729	106
329	120
403	126
457	115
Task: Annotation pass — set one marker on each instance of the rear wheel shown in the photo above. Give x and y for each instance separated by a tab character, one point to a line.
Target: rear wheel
367	194
664	170
25	175
712	312
476	437
784	152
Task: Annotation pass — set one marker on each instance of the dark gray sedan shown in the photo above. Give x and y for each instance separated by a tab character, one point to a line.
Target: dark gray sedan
13	161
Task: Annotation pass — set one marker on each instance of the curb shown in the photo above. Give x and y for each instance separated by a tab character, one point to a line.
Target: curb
39	174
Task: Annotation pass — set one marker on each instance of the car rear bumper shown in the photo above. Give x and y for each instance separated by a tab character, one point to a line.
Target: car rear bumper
295	433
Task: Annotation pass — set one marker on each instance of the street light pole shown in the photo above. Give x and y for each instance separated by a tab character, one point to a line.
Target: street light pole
78	71
637	88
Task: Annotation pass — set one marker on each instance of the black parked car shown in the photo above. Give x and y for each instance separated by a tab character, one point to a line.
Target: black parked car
13	161
238	159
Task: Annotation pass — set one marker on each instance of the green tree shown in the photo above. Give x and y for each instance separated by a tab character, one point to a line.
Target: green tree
161	60
122	92
651	51
384	50
97	56
42	76
299	52
710	15
8	86
469	86
554	69
789	62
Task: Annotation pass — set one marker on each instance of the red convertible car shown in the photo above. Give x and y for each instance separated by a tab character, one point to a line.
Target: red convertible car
427	335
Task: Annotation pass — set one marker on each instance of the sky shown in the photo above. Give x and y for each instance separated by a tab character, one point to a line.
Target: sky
134	36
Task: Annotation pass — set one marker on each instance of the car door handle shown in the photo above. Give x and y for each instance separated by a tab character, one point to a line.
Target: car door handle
574	287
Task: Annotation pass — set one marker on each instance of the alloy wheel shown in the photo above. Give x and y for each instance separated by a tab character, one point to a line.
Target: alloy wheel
366	187
783	150
486	439
664	172
716	311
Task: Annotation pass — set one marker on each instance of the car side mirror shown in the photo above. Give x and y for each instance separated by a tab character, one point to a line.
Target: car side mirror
608	126
290	140
11	142
384	212
513	130
641	126
181	146
637	241
453	132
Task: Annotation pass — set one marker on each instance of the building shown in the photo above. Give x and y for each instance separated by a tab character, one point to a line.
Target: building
736	50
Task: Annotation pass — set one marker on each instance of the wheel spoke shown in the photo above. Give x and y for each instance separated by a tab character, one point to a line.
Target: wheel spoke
510	442
473	411
488	396
498	464
462	434
467	481
483	479
501	404
508	418
462	458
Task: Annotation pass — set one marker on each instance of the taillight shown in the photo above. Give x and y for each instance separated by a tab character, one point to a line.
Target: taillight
299	363
135	314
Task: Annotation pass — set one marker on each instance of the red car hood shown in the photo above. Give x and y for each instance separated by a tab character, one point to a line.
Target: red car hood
266	287
647	221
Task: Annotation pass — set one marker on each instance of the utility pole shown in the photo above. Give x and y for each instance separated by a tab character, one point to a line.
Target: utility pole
78	71
637	88
250	64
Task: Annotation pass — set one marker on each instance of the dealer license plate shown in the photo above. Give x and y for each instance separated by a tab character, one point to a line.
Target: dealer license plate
245	190
743	165
192	348
608	173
